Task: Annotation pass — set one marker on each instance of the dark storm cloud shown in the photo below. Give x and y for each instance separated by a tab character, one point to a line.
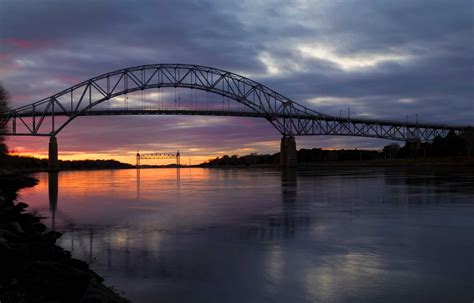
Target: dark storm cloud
87	38
383	59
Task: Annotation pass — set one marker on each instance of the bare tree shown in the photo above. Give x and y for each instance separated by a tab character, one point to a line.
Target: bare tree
4	100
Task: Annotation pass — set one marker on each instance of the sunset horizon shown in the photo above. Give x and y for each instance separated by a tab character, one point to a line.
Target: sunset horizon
181	151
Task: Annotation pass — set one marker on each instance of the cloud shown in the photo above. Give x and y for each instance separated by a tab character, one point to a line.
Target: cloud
381	59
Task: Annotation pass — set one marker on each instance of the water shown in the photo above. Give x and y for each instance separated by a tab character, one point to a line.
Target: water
221	235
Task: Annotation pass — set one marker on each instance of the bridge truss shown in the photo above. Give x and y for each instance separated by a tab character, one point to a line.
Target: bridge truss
49	116
149	156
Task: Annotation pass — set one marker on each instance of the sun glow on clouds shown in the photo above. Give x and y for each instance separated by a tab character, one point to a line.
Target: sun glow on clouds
348	63
197	123
25	63
406	100
270	63
275	65
331	100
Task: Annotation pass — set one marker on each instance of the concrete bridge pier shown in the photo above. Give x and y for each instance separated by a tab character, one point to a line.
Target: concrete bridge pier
288	152
53	154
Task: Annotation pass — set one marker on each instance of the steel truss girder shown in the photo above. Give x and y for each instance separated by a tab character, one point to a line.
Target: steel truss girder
157	156
288	117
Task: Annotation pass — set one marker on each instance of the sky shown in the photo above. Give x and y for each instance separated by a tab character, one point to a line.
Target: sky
382	59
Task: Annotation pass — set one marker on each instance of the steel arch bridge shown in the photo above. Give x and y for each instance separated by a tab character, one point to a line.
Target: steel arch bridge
47	117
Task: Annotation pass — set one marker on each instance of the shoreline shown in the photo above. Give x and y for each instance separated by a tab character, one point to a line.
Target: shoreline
431	162
33	267
427	162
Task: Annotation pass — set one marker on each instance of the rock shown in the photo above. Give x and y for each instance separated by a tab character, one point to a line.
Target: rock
39	227
15	227
32	267
52	236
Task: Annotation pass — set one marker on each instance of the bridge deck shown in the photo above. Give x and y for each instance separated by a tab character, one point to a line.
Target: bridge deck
288	117
193	112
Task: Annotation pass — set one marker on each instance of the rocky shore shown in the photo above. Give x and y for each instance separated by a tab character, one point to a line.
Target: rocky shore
32	267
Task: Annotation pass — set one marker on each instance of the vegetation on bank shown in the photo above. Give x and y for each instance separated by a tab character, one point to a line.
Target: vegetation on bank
4	99
453	146
23	163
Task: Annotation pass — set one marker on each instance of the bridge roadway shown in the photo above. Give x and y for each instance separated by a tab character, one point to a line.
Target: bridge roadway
443	128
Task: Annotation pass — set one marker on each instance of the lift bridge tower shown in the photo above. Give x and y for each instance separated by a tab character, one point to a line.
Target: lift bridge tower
147	156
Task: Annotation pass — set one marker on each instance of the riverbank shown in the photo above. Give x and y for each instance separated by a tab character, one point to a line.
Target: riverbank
425	162
428	162
33	267
416	162
26	164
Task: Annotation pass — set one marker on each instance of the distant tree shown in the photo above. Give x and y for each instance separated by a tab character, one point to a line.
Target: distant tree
391	150
468	136
4	100
456	144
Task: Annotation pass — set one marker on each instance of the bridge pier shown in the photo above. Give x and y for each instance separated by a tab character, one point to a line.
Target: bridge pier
288	152
53	164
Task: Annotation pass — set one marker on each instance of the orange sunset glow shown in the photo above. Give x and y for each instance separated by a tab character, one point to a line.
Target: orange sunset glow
236	151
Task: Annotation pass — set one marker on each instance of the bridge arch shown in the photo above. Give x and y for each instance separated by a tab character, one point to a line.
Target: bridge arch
288	117
83	97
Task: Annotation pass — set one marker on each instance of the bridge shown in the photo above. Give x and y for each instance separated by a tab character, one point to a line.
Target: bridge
149	156
240	97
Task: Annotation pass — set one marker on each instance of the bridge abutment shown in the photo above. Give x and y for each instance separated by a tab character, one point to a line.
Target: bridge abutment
288	156
53	164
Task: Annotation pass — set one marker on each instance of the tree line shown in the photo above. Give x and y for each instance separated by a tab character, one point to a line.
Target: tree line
4	99
14	162
452	145
303	156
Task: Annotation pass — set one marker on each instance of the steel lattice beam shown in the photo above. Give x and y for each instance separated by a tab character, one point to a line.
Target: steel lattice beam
287	116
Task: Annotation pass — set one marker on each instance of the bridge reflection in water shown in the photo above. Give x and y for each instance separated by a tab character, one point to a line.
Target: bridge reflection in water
88	242
233	235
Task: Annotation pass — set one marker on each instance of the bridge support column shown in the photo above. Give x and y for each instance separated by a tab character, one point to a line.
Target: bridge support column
288	152
53	154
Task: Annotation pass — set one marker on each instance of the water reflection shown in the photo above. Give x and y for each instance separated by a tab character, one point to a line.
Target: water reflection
138	170
53	196
289	185
138	183
262	235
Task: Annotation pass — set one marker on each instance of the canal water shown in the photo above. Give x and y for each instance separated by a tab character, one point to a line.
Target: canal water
258	235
